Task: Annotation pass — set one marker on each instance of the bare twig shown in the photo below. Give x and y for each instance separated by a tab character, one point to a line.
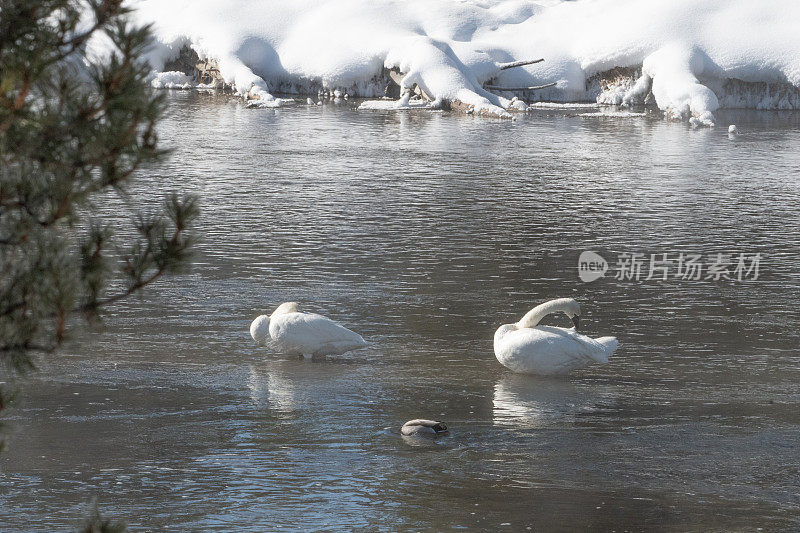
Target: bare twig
511	89
513	64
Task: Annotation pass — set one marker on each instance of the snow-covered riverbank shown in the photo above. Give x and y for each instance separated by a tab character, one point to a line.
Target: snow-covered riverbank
688	57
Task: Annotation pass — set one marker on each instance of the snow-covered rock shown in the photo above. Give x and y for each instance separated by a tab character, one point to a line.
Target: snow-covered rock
172	80
694	55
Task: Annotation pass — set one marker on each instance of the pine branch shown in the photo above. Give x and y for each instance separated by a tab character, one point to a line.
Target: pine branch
64	140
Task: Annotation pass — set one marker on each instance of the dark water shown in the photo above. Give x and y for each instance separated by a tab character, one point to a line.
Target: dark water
424	233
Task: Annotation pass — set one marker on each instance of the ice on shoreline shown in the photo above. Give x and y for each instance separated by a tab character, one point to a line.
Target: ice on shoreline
568	106
613	114
394	105
690	57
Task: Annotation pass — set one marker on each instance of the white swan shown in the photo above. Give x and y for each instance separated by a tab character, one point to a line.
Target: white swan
291	331
529	348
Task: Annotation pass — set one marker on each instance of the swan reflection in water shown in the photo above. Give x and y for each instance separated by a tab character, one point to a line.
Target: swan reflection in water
526	401
271	388
292	385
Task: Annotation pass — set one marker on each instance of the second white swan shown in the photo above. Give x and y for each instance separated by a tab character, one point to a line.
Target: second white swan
291	331
529	348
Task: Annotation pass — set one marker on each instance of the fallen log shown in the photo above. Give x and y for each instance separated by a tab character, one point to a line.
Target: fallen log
398	76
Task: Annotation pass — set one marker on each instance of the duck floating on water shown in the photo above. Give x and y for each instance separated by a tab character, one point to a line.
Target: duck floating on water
420	427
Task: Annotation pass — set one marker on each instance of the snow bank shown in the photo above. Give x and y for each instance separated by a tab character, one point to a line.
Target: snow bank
692	56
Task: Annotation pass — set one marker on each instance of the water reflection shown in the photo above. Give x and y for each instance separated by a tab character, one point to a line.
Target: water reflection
272	388
536	402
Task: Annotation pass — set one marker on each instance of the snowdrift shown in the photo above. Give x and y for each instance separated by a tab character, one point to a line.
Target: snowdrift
689	57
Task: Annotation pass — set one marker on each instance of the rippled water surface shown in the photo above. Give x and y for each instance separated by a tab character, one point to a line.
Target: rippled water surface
424	233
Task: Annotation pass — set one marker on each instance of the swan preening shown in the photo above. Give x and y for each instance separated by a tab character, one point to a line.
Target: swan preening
529	348
420	427
291	331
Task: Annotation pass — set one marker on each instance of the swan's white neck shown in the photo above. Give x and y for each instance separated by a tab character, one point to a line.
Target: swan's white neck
532	318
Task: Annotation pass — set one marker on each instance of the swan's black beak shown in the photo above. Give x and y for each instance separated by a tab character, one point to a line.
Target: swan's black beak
576	320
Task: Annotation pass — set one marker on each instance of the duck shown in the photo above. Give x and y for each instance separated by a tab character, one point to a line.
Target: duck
529	348
291	331
419	427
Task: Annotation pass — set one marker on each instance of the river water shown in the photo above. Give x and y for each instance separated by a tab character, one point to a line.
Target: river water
424	232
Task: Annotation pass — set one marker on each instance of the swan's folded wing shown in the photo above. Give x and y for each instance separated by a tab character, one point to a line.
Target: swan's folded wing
593	349
315	334
568	343
588	347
